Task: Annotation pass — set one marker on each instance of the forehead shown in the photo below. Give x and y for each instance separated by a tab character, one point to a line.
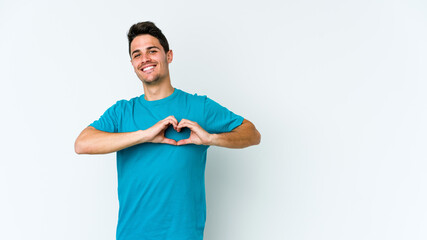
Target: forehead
143	41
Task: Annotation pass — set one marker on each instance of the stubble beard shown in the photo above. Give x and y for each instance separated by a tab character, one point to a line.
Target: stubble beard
156	80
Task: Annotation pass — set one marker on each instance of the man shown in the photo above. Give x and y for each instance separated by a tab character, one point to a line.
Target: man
161	139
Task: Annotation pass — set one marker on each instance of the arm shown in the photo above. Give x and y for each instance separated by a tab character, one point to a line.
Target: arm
93	141
242	136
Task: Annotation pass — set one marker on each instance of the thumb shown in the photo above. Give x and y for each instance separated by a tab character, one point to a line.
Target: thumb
184	141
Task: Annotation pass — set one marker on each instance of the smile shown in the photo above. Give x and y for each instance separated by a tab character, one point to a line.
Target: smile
148	68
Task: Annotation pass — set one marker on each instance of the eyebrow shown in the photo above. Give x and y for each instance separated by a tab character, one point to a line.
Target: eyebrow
148	48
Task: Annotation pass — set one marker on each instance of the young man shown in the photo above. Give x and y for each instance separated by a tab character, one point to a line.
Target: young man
161	139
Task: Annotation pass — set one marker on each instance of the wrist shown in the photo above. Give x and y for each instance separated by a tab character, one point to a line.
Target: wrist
214	139
142	136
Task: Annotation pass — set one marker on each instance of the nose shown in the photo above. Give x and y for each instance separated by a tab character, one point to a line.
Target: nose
145	58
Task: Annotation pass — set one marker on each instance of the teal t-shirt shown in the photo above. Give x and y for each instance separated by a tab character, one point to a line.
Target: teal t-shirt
161	187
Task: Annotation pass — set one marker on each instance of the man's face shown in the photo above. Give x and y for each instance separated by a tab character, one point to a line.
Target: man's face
149	59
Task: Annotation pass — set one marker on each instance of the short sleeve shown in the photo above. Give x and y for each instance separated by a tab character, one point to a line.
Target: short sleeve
218	118
108	122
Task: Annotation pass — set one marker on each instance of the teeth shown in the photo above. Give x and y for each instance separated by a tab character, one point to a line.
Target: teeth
148	68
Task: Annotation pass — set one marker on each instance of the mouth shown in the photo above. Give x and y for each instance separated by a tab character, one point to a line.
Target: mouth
148	68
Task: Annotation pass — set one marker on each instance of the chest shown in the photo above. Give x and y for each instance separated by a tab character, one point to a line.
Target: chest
141	117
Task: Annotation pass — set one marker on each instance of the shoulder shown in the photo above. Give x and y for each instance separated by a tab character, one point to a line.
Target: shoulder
124	104
193	97
204	100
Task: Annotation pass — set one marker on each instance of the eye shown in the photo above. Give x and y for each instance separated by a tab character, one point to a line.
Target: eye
136	55
153	51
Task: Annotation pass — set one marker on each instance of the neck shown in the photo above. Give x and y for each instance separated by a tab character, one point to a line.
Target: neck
157	91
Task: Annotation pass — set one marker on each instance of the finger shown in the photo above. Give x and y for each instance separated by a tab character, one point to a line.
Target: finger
174	121
191	126
171	116
168	122
167	118
185	123
169	141
184	141
163	125
179	126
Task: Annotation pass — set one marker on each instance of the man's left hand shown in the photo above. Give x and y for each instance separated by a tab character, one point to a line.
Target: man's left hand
198	135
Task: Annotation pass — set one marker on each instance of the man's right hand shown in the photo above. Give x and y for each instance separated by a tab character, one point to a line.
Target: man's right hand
93	141
156	133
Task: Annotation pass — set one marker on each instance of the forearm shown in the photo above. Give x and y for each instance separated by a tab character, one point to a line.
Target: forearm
243	136
93	141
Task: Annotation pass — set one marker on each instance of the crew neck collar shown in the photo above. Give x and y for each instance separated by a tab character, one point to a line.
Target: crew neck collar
160	101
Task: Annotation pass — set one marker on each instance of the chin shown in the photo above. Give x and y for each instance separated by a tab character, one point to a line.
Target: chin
151	81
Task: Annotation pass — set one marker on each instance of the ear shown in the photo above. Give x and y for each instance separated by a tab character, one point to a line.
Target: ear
169	56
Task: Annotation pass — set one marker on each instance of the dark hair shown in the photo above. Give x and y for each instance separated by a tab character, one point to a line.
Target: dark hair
147	28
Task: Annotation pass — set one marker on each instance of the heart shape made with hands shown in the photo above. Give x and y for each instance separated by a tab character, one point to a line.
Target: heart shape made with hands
171	133
190	132
181	133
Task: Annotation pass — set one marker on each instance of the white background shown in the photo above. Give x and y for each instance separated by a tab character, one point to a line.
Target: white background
336	88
